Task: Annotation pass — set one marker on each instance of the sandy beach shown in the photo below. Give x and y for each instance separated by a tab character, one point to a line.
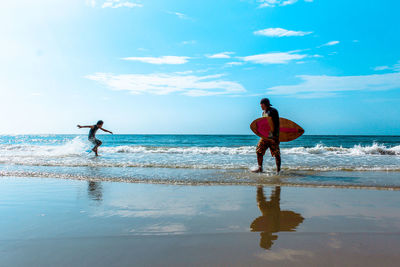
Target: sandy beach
58	222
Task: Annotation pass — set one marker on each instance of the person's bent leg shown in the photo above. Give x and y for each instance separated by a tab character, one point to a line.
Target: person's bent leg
94	149
98	143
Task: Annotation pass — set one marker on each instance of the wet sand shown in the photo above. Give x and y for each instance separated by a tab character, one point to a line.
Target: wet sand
57	222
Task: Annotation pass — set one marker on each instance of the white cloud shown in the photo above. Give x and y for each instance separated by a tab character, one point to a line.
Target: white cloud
160	60
378	68
323	85
231	64
279	32
396	67
91	3
330	43
273	3
162	84
189	42
288	2
178	14
184	72
274	58
221	55
119	3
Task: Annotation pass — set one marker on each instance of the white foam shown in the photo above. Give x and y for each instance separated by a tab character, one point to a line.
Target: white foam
73	147
374	149
357	150
243	150
77	146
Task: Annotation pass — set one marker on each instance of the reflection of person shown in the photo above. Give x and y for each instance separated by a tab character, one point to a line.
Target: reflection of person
273	142
92	134
273	220
95	190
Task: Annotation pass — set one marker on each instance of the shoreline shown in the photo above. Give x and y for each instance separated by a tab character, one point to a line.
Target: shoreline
196	183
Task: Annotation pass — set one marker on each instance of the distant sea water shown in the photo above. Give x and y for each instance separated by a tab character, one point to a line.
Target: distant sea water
372	161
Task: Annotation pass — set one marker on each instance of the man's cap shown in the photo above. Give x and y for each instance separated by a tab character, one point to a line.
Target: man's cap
266	102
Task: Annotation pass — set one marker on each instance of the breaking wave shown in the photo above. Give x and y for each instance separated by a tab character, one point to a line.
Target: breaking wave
77	147
357	150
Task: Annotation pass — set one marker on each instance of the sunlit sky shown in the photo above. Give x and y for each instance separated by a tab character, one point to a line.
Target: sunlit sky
199	66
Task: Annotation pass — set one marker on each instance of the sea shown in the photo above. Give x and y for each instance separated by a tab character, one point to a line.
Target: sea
311	160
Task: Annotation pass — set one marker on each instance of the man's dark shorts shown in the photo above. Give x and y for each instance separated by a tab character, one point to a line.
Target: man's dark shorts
95	141
264	144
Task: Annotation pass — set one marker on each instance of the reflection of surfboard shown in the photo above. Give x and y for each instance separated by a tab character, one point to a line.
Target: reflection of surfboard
288	130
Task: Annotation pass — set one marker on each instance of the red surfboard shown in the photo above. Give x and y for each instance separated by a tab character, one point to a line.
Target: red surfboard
288	130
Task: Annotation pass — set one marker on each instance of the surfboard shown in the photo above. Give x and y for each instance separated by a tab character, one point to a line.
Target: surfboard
288	130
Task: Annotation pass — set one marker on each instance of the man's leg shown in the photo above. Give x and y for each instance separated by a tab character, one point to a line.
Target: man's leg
94	149
98	143
278	163
276	152
260	158
262	146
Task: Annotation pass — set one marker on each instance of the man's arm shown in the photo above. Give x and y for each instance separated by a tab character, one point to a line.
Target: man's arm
86	126
106	130
275	120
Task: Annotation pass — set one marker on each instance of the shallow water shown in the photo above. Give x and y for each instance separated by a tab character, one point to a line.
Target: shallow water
57	222
314	160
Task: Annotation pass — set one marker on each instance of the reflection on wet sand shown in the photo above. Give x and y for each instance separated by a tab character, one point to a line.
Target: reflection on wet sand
95	191
273	220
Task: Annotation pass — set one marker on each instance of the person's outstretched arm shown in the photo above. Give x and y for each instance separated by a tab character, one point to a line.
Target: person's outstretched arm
87	126
106	130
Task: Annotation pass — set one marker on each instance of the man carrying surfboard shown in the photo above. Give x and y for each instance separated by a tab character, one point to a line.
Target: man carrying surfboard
92	134
273	139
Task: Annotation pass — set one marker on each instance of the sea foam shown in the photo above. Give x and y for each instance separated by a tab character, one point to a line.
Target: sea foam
77	147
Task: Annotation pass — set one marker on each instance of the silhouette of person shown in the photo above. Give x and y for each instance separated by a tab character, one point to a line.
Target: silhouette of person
273	220
95	190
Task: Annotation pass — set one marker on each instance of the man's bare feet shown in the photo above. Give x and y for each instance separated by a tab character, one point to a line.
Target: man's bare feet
258	170
95	152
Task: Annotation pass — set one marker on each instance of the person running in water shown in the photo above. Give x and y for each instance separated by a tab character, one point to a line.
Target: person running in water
92	134
273	142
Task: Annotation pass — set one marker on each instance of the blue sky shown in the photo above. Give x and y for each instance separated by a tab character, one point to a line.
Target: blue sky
154	66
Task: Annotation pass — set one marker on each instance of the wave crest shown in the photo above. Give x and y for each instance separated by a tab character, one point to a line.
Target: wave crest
357	150
77	147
